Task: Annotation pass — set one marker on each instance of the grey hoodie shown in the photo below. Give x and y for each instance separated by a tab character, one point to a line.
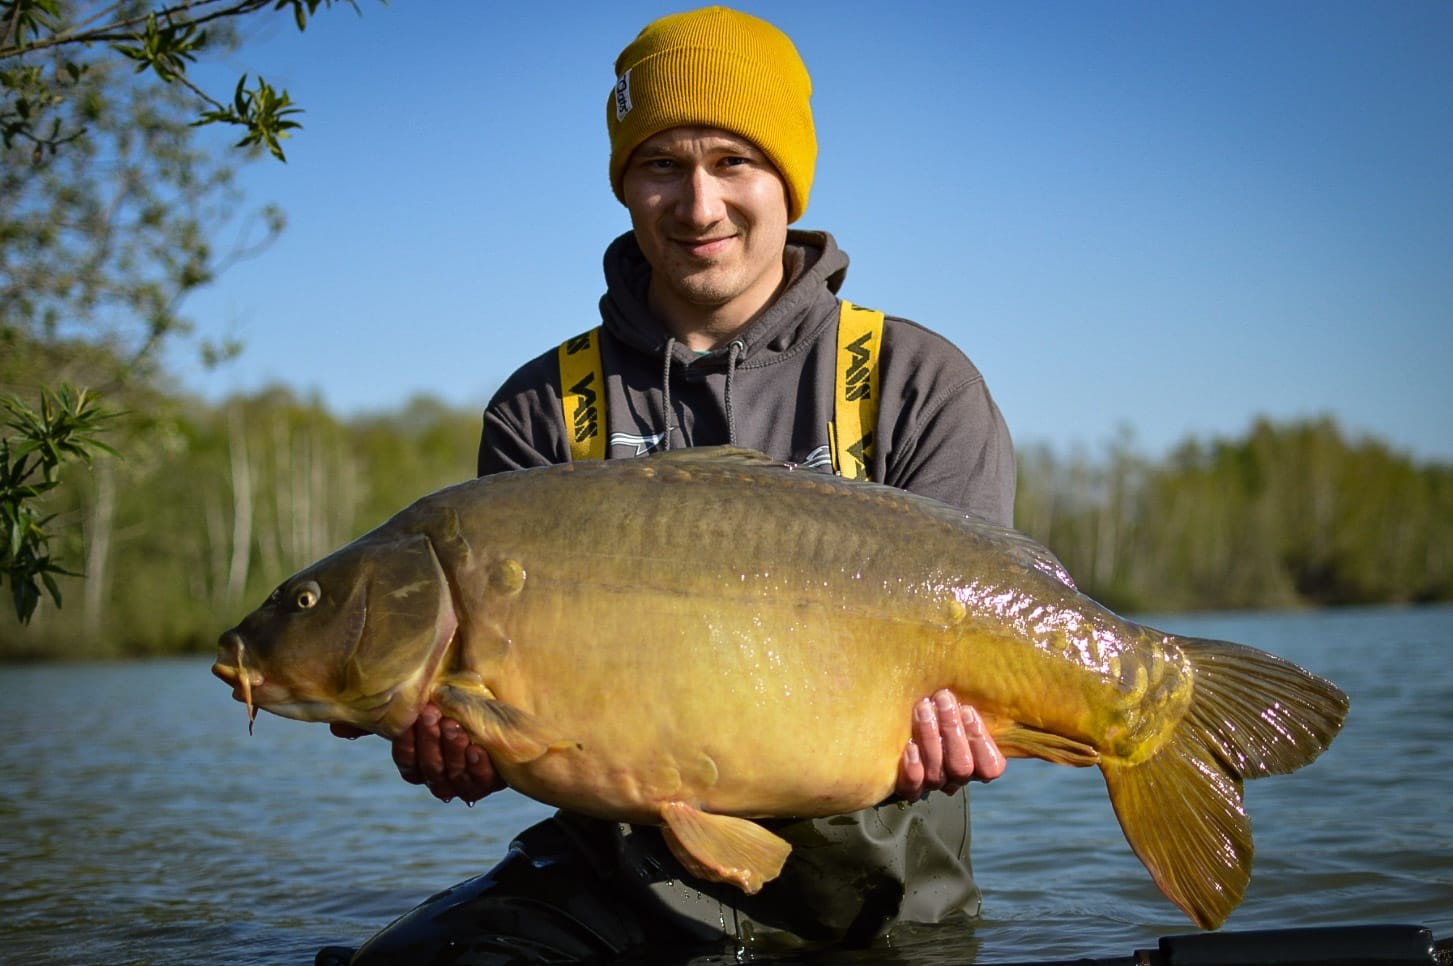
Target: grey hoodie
849	878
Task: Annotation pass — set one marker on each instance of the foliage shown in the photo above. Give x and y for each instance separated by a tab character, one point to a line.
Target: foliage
1289	516
64	430
101	243
108	204
108	200
48	49
215	504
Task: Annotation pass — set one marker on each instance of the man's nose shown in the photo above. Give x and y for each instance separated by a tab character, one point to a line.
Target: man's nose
702	201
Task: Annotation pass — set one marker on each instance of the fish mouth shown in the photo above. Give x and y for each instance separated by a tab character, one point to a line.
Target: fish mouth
230	668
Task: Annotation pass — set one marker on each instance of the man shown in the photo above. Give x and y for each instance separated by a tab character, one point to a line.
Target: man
722	326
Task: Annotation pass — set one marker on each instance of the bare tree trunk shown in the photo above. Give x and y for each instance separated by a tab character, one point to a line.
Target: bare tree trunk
319	537
304	461
100	529
214	548
241	509
268	500
345	496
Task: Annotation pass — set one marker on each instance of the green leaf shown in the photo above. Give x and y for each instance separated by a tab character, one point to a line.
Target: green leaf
50	585
62	431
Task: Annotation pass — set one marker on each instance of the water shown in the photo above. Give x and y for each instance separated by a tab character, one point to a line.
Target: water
139	823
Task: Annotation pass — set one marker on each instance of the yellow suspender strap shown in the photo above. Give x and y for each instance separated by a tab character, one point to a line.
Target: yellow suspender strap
855	391
582	395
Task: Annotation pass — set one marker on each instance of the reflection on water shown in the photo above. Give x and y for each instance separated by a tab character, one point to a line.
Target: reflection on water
140	824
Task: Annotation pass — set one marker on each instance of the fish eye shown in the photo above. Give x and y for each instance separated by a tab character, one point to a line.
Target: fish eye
307	595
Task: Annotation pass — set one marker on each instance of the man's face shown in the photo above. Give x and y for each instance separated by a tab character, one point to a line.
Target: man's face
710	214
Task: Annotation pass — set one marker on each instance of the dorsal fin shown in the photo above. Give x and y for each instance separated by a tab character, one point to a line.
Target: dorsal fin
720	455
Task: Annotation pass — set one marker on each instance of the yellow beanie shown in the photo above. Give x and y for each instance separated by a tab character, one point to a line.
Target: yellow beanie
716	67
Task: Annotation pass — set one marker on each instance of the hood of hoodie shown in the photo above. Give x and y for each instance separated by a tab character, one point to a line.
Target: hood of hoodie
815	266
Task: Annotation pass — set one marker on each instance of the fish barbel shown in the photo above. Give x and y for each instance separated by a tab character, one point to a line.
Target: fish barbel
707	637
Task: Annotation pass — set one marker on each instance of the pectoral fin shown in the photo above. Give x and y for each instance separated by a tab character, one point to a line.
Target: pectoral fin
508	733
722	848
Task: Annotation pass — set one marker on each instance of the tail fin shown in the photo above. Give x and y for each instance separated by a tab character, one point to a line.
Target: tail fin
1252	714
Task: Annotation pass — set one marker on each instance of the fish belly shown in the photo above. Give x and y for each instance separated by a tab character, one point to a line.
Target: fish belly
753	716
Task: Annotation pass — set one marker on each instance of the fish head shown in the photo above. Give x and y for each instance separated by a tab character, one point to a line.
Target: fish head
357	638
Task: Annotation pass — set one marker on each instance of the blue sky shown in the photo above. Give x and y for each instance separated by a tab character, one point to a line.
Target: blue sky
1169	217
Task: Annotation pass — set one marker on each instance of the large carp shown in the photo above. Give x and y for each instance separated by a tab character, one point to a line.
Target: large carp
706	637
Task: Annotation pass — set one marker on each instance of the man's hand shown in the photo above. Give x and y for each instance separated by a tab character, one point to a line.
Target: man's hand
435	752
950	748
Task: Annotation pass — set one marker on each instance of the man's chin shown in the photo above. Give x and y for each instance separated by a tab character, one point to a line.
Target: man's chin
710	288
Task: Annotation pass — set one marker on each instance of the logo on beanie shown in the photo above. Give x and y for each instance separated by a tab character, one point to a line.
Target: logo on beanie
623	96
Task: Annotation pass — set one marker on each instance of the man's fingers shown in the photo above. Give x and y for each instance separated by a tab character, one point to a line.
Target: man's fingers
910	774
958	757
436	751
416	749
453	745
989	761
930	744
480	778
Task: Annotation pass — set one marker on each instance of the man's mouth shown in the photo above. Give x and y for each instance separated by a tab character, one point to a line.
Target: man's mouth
704	248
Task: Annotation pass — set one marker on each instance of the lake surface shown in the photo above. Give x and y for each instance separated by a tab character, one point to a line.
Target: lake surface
139	823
